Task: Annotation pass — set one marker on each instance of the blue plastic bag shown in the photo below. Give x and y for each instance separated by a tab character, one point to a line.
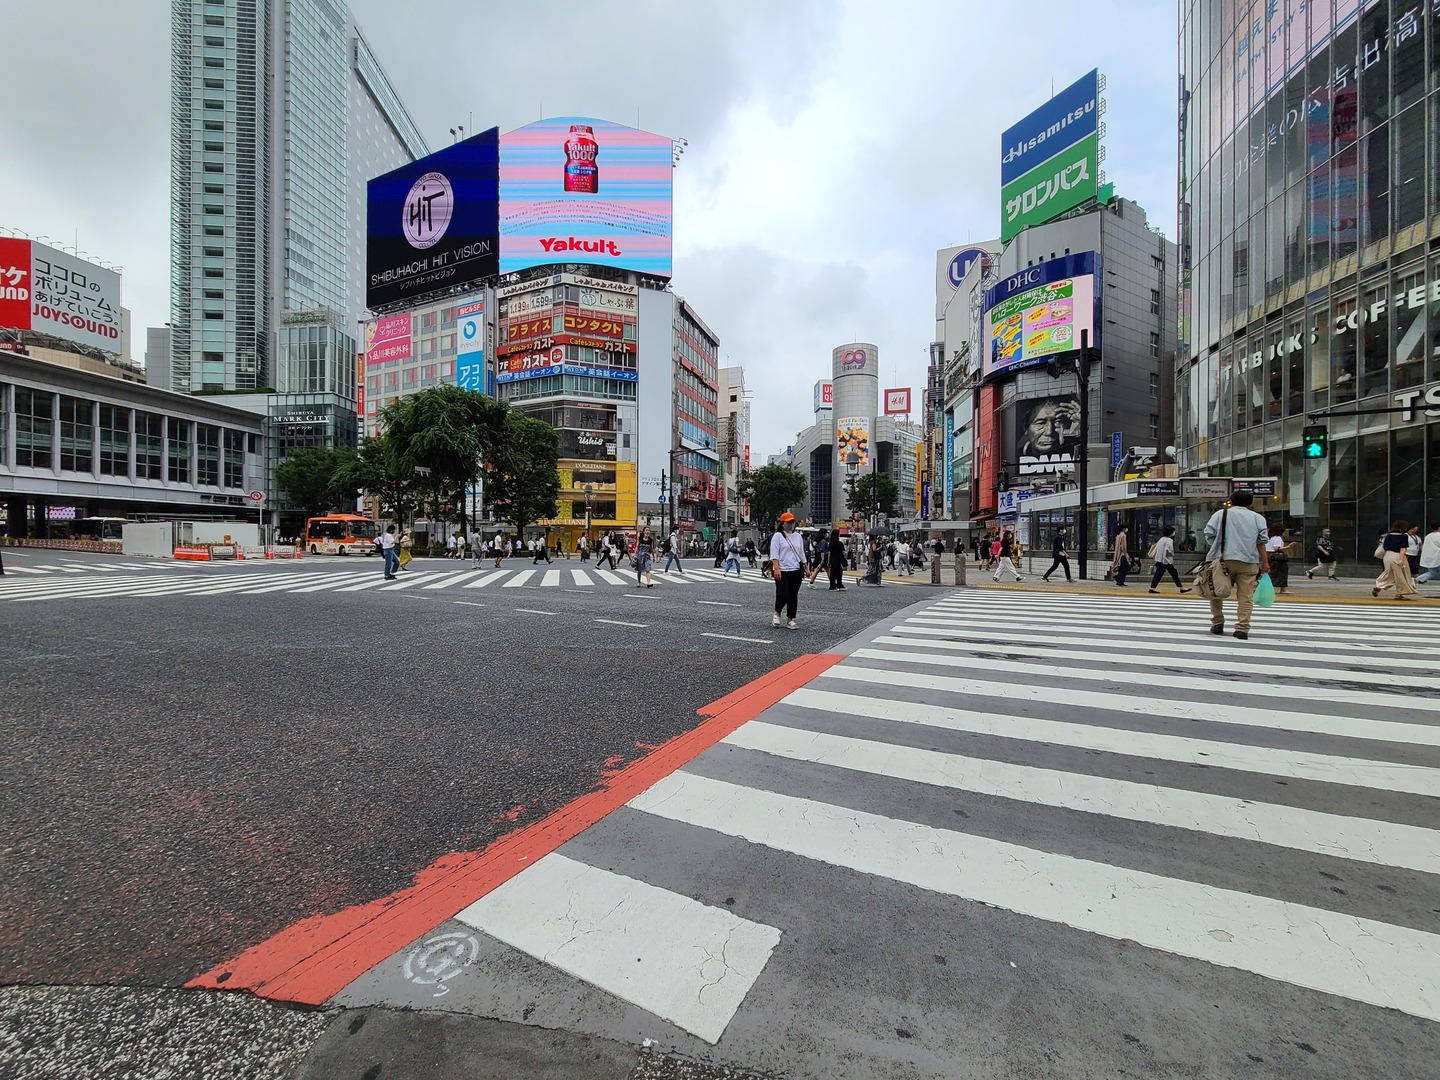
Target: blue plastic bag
1264	592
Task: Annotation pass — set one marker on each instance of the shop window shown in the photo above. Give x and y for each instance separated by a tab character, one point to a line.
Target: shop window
1273	367
1344	351
1407	475
1317	347
1293	347
1375	341
1411	342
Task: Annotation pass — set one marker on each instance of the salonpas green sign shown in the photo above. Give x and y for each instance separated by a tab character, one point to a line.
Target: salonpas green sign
1052	187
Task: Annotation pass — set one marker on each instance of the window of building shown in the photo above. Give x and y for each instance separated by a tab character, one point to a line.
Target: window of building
178	458
214	84
214	42
77	434
1154	344
207	455
149	446
214	20
1155	384
114	440
234	458
1154	303
34	428
214	230
214	62
214	125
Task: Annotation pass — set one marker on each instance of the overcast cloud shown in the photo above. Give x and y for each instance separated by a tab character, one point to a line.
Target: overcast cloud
833	145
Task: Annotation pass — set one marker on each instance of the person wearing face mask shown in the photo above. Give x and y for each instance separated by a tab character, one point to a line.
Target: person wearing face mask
788	565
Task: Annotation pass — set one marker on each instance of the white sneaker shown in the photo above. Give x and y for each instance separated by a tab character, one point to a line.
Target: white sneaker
792	624
775	619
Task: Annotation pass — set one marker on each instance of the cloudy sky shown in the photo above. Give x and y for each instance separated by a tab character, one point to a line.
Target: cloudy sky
833	146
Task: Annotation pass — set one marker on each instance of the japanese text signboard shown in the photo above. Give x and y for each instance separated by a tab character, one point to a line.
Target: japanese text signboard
52	292
1050	160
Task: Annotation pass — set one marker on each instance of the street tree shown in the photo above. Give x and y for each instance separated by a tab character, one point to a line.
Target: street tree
307	479
771	490
522	481
874	495
376	470
436	441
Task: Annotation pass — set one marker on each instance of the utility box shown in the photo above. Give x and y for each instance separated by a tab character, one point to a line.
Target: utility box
155	539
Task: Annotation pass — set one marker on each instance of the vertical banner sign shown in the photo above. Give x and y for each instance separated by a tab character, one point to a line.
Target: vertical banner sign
360	391
1049	161
853	433
470	345
1117	448
921	493
950	457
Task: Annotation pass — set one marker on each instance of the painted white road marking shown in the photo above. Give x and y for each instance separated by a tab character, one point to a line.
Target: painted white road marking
1393	967
1360	839
1268	760
686	962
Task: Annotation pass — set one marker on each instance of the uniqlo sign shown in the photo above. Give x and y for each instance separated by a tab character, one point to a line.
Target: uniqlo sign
51	292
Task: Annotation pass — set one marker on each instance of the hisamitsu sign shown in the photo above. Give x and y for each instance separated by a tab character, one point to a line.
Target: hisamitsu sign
1049	161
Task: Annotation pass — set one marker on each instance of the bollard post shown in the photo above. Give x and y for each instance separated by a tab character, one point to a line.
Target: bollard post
959	565
935	568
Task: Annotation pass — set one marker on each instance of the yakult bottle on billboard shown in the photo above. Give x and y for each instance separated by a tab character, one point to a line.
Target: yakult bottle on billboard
581	172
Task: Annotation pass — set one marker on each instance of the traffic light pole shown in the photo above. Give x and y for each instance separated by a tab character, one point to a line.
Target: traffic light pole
1082	470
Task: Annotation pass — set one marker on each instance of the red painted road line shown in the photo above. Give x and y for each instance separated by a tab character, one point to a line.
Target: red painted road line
313	960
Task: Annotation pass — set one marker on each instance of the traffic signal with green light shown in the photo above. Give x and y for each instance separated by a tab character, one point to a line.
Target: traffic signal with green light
1313	441
1003	484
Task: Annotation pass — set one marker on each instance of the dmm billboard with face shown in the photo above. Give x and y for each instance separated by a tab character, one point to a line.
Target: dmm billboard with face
1040	311
51	292
1049	160
433	224
580	190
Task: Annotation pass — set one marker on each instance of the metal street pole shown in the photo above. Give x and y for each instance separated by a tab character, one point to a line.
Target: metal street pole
1082	375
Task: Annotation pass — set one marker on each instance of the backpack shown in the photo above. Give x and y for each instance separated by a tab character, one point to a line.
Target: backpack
665	545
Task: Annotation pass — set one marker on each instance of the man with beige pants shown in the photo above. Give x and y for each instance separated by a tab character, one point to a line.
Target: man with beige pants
1244	556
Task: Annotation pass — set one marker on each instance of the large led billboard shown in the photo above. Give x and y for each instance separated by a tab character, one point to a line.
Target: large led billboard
50	292
1040	311
580	190
433	224
1049	160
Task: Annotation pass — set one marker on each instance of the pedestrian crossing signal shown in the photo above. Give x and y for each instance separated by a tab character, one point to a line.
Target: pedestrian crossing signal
1314	441
1003	484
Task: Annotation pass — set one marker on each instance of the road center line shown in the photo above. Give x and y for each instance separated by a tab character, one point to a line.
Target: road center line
732	637
468	603
717	603
532	611
617	622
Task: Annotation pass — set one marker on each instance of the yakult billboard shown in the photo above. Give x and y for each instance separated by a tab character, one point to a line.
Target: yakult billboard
580	190
50	292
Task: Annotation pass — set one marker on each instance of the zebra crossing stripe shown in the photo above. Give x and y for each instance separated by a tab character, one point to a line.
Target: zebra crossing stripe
1360	959
488	578
520	577
607	576
551	578
579	577
1266	760
1239	662
453	579
1219	688
338	581
1360	839
1190	647
687	962
413	577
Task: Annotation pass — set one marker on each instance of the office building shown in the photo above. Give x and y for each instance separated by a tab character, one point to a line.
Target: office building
1309	211
279	115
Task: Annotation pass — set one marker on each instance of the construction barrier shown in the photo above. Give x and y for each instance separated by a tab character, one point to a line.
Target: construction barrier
108	546
192	554
282	551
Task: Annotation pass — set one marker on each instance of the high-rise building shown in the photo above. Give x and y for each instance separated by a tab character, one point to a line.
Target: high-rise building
734	424
1309	213
279	114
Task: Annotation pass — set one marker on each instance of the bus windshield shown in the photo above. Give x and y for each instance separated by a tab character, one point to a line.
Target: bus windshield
364	530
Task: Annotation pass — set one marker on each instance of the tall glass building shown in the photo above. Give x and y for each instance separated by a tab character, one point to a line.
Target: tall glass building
1309	210
279	114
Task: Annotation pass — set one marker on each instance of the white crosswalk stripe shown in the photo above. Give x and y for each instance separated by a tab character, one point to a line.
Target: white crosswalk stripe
1140	780
241	580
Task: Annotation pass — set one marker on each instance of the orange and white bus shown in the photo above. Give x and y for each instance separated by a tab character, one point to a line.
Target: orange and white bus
341	534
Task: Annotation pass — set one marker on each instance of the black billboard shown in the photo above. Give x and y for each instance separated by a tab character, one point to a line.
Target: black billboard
434	223
1047	433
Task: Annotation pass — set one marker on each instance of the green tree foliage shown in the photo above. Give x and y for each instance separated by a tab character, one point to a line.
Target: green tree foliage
522	481
874	494
771	490
307	478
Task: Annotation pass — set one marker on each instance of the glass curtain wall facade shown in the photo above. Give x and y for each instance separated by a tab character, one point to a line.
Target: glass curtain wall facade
1309	215
279	115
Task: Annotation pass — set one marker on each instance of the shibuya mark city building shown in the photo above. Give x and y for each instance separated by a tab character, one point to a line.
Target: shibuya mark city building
1309	213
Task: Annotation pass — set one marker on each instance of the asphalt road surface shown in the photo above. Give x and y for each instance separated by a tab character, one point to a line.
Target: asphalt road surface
994	834
187	774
